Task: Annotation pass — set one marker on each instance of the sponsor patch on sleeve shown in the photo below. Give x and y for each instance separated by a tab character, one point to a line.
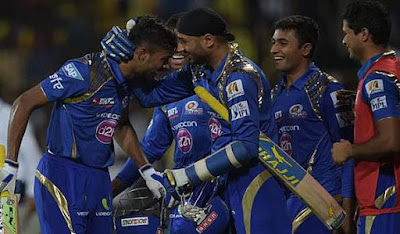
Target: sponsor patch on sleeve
345	118
239	110
378	103
70	70
374	86
234	89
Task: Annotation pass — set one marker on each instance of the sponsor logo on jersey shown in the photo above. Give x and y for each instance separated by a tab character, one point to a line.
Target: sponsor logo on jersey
285	143
296	111
71	71
207	222
106	102
82	213
136	221
289	128
192	108
240	110
338	102
374	86
105	131
184	140
173	113
215	128
234	89
184	124
104	213
56	81
278	116
378	103
345	118
108	115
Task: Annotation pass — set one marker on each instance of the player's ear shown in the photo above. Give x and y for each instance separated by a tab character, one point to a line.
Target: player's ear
306	49
208	40
142	54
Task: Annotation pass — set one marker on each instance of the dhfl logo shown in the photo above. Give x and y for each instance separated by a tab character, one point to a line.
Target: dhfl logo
106	102
207	222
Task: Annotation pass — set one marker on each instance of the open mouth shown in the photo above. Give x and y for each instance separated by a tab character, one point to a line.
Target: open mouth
278	58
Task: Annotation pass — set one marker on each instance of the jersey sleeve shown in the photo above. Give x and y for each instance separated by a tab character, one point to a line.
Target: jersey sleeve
337	113
158	137
241	98
71	80
382	94
348	179
173	87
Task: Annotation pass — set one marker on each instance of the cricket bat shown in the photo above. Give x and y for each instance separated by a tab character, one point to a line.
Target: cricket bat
8	206
286	169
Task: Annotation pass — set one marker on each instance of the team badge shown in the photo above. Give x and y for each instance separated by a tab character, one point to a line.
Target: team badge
296	111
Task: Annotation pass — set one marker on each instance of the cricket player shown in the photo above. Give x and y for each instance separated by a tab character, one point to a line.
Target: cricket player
310	118
376	148
255	198
90	96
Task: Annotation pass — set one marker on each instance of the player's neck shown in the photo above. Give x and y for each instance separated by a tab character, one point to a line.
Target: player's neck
218	55
297	72
371	51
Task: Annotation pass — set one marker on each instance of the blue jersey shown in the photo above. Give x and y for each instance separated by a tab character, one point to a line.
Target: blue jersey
242	86
307	128
244	96
188	123
89	94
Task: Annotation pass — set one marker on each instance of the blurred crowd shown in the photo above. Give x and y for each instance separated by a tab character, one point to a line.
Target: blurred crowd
37	36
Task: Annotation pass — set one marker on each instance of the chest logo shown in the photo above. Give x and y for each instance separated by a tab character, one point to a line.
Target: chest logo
184	140
173	113
192	108
105	131
296	111
215	128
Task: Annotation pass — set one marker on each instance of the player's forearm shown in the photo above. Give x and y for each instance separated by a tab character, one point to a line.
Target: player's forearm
349	226
19	116
378	147
127	139
117	187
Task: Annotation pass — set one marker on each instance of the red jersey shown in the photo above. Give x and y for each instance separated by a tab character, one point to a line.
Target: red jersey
366	173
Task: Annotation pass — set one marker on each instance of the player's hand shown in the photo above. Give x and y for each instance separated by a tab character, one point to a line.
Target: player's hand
154	180
176	182
341	151
8	176
117	45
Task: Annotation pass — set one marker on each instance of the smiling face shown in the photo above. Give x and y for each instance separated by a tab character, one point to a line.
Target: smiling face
193	46
352	41
287	52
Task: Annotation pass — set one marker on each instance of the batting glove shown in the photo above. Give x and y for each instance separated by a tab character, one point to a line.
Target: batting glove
117	45
153	180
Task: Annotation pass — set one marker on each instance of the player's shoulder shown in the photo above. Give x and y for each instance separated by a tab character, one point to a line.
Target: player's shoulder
77	68
376	82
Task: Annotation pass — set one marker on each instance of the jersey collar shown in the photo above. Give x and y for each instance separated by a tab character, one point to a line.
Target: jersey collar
364	68
299	83
116	71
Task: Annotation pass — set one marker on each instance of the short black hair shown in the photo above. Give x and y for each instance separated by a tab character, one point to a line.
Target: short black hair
371	15
152	30
306	29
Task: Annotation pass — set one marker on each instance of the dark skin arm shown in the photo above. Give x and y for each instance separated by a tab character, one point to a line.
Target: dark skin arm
117	187
349	226
386	142
19	116
126	137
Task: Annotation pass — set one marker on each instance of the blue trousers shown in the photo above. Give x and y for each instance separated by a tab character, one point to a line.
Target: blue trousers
71	197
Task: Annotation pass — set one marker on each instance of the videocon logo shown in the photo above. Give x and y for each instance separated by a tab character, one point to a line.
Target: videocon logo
104	201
